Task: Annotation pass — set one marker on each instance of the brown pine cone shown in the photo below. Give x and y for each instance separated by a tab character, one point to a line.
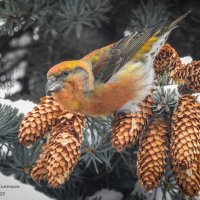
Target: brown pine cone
185	146
189	180
127	126
188	75
64	148
39	120
185	135
166	60
152	155
39	171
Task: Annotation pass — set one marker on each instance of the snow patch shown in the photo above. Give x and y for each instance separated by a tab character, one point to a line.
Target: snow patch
127	33
106	194
24	106
22	191
171	87
197	95
187	59
158	193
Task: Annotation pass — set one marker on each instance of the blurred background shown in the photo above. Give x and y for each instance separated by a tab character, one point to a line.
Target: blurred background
35	35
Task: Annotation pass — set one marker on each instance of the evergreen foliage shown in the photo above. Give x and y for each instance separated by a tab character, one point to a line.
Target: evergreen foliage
153	11
34	35
9	120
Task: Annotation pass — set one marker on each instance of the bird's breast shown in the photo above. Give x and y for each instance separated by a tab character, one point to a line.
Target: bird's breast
70	100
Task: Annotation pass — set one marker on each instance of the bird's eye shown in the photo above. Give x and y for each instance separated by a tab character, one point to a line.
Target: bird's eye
65	73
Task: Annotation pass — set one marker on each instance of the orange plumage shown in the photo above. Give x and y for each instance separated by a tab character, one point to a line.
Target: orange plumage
105	99
112	79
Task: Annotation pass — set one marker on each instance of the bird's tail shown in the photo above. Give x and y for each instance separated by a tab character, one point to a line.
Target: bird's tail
172	25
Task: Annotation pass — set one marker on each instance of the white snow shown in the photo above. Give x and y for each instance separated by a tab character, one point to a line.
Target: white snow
171	87
150	195
106	194
186	59
197	95
22	191
24	106
157	193
139	190
127	33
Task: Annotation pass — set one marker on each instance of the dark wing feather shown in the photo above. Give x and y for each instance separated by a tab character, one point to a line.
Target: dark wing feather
121	52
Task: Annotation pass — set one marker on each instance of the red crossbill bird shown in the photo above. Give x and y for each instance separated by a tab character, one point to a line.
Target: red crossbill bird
113	78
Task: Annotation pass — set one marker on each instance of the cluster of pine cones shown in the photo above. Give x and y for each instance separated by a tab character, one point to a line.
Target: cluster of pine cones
175	139
61	152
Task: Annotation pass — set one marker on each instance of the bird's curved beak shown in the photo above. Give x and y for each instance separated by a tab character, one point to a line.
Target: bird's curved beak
53	86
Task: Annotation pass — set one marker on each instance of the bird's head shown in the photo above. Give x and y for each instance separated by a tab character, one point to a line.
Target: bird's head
69	73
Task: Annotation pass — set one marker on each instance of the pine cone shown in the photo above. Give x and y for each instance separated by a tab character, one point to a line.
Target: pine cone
185	136
127	126
152	155
39	171
64	148
39	120
189	180
185	146
166	60
188	75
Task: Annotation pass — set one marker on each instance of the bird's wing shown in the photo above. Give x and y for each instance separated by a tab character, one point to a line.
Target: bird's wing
108	60
94	57
121	52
